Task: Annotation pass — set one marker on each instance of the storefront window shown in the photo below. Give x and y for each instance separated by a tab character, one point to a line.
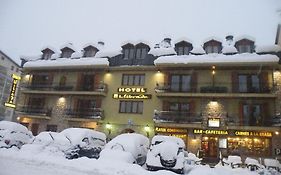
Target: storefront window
249	146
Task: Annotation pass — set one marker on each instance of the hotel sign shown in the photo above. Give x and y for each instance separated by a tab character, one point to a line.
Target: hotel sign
210	132
253	133
10	103
131	93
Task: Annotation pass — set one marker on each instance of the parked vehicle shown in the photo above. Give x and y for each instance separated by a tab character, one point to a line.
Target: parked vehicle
166	152
253	164
233	161
130	148
84	142
14	134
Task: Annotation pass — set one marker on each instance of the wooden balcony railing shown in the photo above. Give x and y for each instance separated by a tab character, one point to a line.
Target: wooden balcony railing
86	113
33	110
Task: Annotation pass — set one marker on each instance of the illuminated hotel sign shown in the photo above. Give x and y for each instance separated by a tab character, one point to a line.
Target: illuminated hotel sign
172	130
253	133
210	132
131	93
10	102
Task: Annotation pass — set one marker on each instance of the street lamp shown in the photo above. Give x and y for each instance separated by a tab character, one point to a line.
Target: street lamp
213	75
147	129
108	126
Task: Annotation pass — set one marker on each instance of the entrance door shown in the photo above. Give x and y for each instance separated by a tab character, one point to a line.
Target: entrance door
210	146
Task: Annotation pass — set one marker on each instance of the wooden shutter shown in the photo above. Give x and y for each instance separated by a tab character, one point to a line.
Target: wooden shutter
167	78
98	103
194	82
165	106
96	81
264	82
235	82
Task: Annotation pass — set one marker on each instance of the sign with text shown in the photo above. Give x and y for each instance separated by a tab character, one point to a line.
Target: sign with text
131	93
214	122
253	133
170	130
10	103
210	132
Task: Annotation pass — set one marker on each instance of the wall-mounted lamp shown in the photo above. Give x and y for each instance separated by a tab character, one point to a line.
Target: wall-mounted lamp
147	129
108	126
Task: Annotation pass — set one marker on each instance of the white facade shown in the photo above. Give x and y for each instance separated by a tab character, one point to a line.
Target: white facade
7	68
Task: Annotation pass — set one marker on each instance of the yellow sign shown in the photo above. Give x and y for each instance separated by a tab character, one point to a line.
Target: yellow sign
172	130
253	133
10	102
131	93
210	132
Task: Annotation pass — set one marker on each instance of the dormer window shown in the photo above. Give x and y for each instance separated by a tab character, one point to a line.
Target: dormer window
90	51
245	46
66	52
47	54
141	51
129	51
213	46
183	48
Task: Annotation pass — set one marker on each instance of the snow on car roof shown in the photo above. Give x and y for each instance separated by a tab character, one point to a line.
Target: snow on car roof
12	126
76	135
161	138
219	59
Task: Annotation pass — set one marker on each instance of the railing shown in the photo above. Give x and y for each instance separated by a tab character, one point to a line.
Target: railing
269	121
177	117
86	113
101	87
35	110
214	88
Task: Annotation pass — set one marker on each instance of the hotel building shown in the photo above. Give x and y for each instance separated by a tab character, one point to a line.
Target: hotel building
219	97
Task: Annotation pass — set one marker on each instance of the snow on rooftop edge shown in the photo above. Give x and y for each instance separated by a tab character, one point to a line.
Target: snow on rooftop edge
66	62
217	58
162	51
268	48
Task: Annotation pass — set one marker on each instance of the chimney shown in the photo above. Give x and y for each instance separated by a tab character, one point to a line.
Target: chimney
229	39
101	43
156	46
167	40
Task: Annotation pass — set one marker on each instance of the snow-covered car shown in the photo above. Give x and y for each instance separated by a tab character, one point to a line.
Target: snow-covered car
84	142
233	161
166	152
130	148
14	134
50	142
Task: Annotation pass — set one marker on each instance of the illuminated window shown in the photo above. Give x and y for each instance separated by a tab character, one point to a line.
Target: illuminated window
133	79
131	107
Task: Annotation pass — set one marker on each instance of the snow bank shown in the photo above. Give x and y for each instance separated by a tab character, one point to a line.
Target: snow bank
66	63
221	59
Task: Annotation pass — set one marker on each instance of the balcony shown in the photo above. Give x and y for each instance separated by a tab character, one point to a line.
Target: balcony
36	112
177	117
210	90
262	122
84	114
69	88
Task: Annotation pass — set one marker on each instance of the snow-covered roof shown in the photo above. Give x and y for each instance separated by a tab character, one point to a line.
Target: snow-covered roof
198	50
76	55
268	48
162	51
136	42
212	38
31	58
183	39
91	44
66	63
107	53
68	45
49	47
219	59
248	37
229	49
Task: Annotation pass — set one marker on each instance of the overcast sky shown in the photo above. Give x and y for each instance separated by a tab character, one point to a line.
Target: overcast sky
28	25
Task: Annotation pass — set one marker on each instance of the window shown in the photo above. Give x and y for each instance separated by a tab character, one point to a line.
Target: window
52	128
141	53
181	83
244	49
183	50
66	53
212	49
2	58
47	55
131	107
249	83
12	67
17	70
252	114
133	80
129	53
90	52
183	107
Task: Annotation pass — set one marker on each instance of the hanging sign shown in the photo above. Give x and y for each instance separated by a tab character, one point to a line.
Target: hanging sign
131	93
10	103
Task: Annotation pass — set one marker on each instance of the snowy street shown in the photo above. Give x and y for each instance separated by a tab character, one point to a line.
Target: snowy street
14	162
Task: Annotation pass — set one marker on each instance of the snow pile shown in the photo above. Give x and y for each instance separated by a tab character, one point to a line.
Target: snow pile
198	50
229	50
250	161
233	160
68	45
272	163
217	59
12	126
268	49
66	63
160	138
162	51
